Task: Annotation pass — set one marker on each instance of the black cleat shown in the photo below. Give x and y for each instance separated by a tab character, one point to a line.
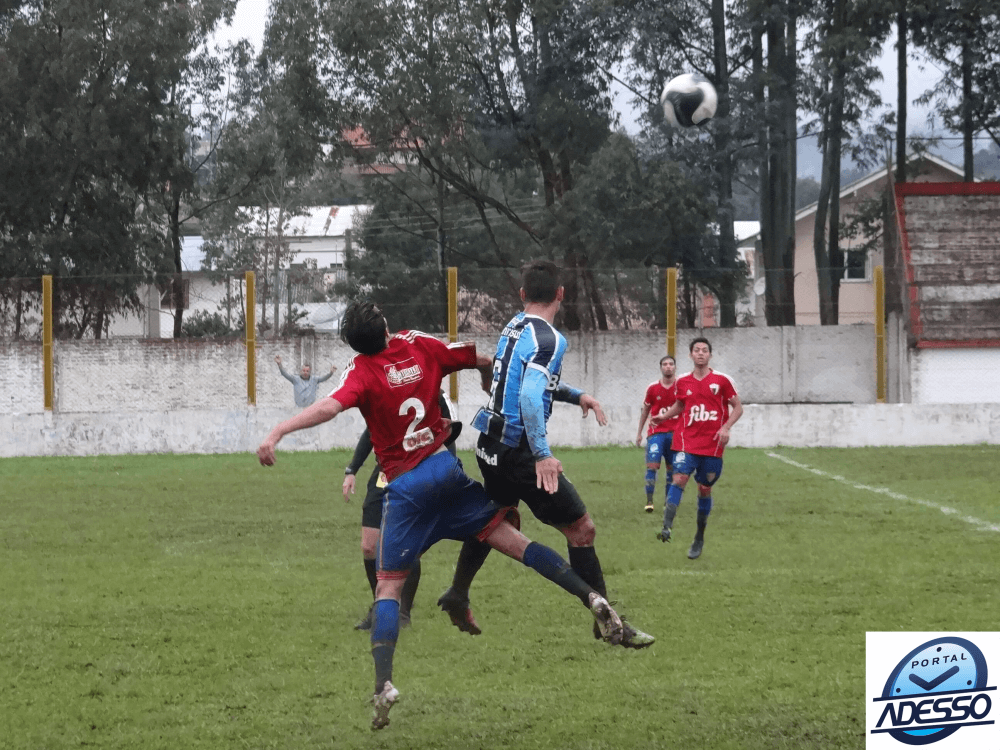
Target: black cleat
696	546
633	638
457	608
663	535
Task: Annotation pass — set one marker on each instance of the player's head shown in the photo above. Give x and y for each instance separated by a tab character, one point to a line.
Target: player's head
306	372
363	327
668	366
701	351
540	282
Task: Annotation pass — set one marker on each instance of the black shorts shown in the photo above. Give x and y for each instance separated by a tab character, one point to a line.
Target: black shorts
509	476
371	510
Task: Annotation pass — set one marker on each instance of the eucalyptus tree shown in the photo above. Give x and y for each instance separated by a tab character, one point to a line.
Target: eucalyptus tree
462	89
84	95
845	39
962	37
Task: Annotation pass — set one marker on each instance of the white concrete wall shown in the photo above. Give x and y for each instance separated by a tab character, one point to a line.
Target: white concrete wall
139	396
955	376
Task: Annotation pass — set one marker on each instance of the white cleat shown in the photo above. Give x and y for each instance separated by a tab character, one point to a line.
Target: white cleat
607	619
383	702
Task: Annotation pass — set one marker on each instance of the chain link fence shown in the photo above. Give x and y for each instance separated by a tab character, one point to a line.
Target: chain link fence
618	319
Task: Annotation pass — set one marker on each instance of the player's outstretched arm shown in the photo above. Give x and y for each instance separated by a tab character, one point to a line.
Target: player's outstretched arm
588	402
485	366
322	411
673	411
571	395
643	416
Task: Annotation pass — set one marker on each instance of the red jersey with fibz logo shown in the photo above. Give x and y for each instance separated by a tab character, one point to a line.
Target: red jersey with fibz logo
397	393
706	409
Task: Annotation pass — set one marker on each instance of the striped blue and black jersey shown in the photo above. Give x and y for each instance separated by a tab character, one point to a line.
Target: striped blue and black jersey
529	348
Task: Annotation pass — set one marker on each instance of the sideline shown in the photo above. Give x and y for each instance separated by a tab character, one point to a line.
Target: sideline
978	523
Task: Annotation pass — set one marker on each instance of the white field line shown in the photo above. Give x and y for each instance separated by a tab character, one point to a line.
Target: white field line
978	523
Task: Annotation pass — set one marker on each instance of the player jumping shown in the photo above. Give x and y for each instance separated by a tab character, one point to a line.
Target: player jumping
659	397
709	406
513	452
394	381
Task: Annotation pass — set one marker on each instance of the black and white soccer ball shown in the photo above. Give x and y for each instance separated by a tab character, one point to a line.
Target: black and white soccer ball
688	100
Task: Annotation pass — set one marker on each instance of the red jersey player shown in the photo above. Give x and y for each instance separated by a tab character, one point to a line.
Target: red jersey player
659	397
394	381
708	406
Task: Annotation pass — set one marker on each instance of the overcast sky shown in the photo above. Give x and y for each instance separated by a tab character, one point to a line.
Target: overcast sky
251	16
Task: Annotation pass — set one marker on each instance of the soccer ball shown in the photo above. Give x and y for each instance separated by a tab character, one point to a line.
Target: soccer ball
689	100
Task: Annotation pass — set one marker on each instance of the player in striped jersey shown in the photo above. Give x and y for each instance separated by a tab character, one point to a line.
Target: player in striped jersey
394	381
513	451
708	406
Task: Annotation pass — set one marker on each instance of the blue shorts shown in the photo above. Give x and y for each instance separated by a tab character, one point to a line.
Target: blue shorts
433	501
658	446
706	469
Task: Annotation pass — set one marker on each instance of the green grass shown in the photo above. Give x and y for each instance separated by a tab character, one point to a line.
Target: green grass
205	602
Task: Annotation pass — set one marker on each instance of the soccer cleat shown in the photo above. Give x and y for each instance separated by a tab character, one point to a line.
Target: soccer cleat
365	623
649	506
663	535
607	619
457	608
383	702
695	552
634	638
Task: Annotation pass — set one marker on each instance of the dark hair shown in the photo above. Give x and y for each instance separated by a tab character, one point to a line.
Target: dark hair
701	340
540	281
668	356
363	327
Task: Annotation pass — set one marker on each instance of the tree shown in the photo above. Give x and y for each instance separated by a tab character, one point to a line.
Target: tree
963	38
848	35
82	103
694	36
468	88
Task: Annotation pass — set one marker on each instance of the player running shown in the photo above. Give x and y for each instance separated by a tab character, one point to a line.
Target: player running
513	452
659	397
394	381
708	406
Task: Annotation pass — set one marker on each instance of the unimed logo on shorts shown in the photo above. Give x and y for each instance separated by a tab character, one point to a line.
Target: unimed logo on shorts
932	689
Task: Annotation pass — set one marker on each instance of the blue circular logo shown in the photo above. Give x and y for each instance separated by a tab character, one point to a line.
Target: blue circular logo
947	666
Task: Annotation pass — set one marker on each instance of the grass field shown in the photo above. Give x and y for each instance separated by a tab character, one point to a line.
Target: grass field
206	602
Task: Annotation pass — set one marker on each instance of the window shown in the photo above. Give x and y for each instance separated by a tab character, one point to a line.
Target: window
856	265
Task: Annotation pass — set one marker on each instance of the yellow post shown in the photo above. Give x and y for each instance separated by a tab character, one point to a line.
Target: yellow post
671	311
48	379
251	320
880	364
453	324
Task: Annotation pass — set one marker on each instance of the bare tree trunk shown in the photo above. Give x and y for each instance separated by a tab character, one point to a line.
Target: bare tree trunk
595	299
727	242
178	280
829	260
901	104
570	306
968	128
779	253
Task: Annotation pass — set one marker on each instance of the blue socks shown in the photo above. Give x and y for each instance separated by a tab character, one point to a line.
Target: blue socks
385	632
548	563
650	482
